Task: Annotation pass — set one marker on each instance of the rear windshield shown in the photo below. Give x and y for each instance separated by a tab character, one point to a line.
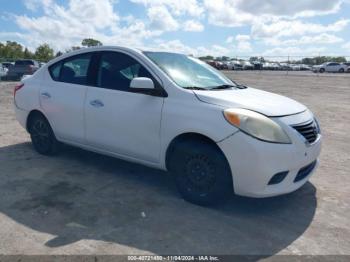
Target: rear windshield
24	62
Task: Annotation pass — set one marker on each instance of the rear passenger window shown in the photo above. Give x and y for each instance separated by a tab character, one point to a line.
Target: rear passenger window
74	70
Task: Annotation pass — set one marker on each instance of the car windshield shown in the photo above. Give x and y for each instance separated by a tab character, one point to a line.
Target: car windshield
189	72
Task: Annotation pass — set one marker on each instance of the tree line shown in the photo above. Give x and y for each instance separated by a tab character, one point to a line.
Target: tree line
11	50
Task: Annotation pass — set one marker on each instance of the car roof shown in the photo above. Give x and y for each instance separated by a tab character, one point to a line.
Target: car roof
92	49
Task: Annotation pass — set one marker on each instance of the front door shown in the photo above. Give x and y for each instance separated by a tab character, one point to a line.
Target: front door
118	120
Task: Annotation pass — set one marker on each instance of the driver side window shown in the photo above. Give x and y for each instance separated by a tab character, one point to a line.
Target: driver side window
116	71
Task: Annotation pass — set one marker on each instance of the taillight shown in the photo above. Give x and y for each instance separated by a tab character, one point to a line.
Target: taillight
17	87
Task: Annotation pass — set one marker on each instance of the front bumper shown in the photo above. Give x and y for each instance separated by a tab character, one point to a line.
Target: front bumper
253	163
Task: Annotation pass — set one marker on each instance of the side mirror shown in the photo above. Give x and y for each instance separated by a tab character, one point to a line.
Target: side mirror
142	84
146	86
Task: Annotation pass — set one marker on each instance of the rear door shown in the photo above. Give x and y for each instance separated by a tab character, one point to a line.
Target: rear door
333	67
62	97
117	119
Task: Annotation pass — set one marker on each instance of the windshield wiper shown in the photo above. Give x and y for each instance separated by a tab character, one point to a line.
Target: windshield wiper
241	86
195	88
223	87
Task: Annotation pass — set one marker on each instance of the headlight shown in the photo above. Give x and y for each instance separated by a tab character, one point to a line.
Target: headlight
256	125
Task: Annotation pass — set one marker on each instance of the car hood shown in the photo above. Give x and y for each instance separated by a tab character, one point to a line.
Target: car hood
253	99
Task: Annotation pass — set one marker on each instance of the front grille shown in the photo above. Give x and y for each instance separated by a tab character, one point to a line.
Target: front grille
305	171
308	130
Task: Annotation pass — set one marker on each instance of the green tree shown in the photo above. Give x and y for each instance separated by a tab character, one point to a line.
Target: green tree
90	42
59	53
208	57
44	53
225	58
27	54
11	50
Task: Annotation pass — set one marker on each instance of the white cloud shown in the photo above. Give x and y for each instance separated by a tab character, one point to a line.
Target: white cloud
62	27
244	47
285	28
167	15
225	13
34	5
233	13
161	19
242	38
346	46
230	39
288	8
294	51
241	43
179	47
176	7
323	38
193	26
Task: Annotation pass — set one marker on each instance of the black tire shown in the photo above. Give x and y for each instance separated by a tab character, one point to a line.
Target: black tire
43	138
341	70
202	173
322	70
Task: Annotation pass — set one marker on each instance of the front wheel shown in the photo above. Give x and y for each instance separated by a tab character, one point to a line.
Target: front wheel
322	70
202	173
42	136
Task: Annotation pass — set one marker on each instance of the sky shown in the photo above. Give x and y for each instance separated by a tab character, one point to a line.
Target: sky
199	27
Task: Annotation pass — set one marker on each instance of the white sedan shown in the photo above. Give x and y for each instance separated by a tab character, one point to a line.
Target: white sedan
172	112
330	67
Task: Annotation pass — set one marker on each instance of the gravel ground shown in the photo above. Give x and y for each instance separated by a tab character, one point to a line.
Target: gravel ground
83	203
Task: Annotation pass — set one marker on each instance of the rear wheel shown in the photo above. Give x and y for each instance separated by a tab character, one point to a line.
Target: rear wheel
201	172
341	70
43	138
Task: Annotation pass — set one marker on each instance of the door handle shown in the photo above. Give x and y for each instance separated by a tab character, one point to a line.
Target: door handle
96	103
45	95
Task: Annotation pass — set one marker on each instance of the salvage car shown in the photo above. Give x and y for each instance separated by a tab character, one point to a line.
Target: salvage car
172	112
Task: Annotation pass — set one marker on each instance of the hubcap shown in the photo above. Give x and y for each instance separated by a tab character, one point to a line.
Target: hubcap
40	134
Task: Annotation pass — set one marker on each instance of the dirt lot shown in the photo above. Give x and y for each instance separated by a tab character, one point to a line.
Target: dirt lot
84	203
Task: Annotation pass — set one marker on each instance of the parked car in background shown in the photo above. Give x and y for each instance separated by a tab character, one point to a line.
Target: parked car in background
246	65
8	64
22	67
236	65
347	64
295	67
175	113
257	65
3	71
214	64
285	66
304	67
330	67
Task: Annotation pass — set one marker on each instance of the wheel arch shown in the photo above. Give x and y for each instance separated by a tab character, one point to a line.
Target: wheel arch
189	136
31	115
